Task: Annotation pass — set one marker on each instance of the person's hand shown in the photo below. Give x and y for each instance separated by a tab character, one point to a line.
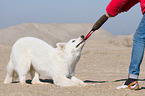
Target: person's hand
107	15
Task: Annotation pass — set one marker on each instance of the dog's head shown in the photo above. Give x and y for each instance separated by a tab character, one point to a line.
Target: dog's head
73	45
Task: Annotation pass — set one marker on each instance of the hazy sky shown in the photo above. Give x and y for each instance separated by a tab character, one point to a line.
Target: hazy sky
14	12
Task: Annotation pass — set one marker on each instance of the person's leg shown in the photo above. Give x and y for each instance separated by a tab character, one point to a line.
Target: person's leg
136	58
137	50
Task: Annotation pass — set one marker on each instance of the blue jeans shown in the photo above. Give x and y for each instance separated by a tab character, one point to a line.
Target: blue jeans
137	50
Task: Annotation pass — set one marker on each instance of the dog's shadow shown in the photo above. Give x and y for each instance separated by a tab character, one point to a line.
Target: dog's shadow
42	80
47	81
126	79
51	81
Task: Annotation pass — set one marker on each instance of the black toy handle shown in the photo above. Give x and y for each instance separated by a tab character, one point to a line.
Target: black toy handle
99	23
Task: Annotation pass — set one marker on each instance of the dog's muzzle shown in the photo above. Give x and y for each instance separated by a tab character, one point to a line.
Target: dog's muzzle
81	41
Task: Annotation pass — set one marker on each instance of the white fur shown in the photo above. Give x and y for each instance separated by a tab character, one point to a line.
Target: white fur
39	58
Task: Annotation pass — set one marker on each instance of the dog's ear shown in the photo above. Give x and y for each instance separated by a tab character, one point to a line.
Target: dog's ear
60	45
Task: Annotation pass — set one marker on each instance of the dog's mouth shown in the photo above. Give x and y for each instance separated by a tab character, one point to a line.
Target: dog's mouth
80	43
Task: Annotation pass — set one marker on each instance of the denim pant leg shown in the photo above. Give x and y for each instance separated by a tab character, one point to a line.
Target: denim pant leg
137	50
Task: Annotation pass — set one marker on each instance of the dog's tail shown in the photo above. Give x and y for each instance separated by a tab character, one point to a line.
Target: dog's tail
11	74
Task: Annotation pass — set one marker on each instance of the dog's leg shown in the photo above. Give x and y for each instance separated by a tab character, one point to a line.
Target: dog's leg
63	81
23	67
78	81
22	79
9	76
36	79
35	76
22	74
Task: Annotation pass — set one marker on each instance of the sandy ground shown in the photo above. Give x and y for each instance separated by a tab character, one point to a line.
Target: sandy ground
104	62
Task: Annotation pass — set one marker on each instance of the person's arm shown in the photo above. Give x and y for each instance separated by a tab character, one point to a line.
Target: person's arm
118	6
129	5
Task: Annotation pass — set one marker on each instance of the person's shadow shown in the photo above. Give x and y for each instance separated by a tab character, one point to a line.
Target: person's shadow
91	81
126	79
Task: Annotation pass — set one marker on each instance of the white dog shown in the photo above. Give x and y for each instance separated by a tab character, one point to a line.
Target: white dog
39	58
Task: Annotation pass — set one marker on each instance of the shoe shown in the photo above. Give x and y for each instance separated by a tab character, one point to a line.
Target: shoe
122	87
133	86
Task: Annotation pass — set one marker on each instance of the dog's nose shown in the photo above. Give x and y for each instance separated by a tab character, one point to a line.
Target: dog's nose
82	36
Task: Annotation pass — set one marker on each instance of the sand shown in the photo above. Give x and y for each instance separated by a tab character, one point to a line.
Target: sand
104	62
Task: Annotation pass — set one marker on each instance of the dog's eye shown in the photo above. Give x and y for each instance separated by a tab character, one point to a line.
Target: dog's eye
73	41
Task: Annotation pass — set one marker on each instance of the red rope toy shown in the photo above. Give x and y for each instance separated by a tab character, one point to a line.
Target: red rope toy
88	35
